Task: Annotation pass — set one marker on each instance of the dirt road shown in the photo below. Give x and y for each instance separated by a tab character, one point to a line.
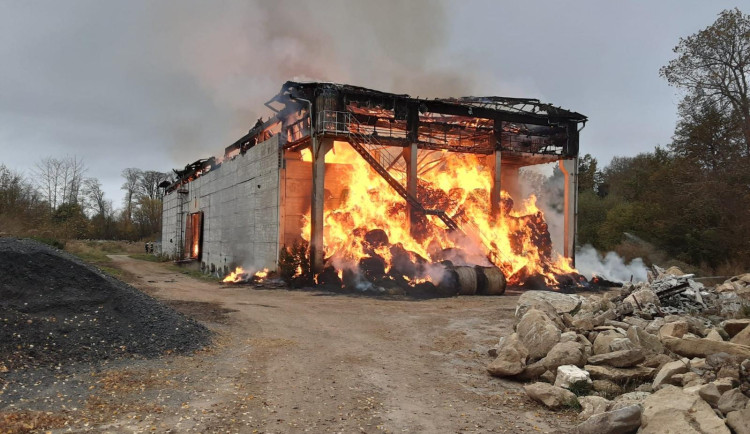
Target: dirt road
294	361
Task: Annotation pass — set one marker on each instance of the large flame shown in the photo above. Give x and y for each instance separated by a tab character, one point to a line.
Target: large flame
517	241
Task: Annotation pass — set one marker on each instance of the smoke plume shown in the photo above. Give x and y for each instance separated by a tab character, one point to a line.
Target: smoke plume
391	45
610	266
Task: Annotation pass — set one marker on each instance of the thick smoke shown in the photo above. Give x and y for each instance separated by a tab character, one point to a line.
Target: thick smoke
610	266
241	53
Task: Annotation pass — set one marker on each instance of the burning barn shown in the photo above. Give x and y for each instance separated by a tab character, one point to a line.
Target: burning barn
380	188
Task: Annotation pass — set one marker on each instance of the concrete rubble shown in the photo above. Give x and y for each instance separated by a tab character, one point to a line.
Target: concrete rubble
669	353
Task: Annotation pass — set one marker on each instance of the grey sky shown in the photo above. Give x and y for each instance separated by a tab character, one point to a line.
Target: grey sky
156	85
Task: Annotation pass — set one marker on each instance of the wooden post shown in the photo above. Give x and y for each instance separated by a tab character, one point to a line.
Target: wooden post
410	156
317	202
495	162
569	169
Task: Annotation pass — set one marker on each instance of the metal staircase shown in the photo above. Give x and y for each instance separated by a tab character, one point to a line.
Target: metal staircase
367	145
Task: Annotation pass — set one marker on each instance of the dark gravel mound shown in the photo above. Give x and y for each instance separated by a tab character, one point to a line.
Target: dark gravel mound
56	309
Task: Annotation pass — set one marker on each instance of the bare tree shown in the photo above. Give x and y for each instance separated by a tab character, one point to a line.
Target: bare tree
148	184
48	172
715	65
74	170
132	178
94	194
60	180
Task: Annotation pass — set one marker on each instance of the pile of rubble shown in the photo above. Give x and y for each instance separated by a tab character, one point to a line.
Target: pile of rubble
56	310
667	355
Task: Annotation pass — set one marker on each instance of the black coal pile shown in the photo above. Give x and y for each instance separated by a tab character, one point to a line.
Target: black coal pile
56	309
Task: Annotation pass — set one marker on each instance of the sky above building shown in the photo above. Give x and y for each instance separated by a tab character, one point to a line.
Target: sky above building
156	85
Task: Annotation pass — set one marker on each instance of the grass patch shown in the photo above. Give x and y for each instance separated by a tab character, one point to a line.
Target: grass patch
102	262
581	388
149	257
95	252
93	257
114	272
573	404
195	274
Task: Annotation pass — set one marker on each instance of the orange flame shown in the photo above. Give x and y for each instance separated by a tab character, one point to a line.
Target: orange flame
261	275
459	184
240	275
235	276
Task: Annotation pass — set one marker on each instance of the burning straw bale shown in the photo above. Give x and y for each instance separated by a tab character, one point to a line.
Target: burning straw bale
368	234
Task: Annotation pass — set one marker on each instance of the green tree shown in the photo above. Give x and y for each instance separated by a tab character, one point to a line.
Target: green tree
70	221
706	135
714	65
588	175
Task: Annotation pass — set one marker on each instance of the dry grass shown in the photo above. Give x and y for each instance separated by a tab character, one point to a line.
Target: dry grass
95	252
103	247
731	268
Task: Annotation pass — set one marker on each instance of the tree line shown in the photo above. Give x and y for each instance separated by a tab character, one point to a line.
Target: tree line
691	198
57	201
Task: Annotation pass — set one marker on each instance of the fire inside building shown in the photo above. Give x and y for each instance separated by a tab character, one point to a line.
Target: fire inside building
382	189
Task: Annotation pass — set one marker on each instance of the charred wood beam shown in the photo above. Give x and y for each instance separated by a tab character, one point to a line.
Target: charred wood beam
373	98
572	143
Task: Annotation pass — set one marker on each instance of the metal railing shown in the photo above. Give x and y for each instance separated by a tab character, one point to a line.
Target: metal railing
347	125
375	153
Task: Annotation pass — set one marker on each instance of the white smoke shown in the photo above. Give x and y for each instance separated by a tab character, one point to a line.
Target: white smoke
611	266
435	272
542	181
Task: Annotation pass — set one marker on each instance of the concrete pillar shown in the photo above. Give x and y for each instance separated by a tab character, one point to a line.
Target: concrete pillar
509	181
317	201
494	161
569	169
410	156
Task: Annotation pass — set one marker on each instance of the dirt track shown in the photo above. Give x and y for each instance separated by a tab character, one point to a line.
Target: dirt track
315	362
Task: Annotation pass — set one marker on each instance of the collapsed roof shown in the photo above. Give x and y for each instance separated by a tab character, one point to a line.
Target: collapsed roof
523	130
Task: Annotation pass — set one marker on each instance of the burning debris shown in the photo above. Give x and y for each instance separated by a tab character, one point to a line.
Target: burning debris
368	240
668	352
239	275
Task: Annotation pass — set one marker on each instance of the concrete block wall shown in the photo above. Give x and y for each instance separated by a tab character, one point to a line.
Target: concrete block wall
240	205
296	188
169	233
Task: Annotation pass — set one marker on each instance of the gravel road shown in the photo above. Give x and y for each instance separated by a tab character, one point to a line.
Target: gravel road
302	361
